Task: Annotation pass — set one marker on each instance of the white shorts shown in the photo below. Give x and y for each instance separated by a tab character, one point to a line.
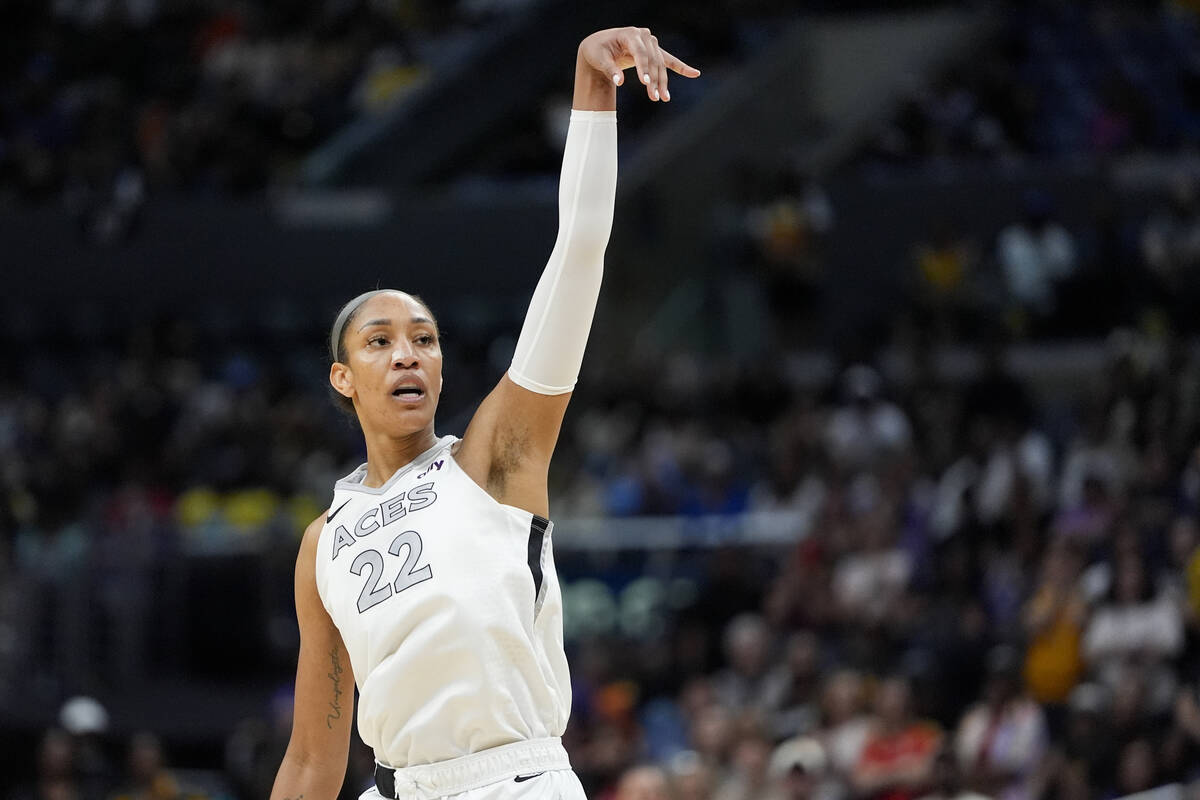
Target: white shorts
554	784
533	769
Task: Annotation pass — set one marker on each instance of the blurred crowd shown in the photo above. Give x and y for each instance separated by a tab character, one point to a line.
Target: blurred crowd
991	581
73	762
101	100
1056	265
996	594
994	585
1062	80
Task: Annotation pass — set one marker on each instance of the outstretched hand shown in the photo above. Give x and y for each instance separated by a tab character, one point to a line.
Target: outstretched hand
611	52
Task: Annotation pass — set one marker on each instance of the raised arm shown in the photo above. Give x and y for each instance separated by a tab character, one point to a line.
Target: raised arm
508	445
314	765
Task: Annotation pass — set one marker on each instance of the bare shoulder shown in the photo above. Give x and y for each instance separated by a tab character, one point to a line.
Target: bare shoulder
313	531
308	544
309	608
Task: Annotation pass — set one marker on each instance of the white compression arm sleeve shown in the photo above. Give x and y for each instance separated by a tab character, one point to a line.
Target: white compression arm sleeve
550	348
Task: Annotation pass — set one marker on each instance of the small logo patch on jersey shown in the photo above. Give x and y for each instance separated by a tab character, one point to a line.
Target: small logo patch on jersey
333	514
435	465
521	778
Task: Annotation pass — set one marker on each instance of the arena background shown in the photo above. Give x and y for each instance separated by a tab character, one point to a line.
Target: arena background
882	476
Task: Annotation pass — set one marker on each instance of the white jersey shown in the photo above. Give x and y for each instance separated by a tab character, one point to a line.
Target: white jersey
449	605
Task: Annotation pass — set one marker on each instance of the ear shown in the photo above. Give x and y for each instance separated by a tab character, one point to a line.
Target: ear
341	378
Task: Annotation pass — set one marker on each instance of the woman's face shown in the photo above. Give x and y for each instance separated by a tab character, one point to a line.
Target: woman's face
393	366
892	704
1130	580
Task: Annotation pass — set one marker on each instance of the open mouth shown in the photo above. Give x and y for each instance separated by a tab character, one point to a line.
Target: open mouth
409	393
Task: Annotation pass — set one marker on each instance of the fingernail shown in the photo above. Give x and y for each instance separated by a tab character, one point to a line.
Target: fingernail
617	78
645	77
657	96
667	95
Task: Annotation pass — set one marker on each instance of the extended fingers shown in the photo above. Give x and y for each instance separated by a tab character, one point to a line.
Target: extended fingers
678	67
637	46
653	64
649	62
660	70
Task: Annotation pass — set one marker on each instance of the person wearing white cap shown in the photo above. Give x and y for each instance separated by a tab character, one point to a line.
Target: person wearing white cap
798	770
83	716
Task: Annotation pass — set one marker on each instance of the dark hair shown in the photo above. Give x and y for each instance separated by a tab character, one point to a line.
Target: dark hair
337	337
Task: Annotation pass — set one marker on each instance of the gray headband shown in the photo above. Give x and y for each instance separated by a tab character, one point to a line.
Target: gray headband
335	335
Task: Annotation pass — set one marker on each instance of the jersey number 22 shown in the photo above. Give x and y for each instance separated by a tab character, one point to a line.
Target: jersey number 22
372	593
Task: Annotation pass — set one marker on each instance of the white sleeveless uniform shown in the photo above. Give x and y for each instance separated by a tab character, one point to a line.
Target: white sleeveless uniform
449	605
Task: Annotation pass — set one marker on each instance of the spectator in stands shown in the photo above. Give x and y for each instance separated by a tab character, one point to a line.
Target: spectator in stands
945	270
1131	716
1093	477
794	478
1179	582
1053	619
799	770
1000	742
870	582
1020	459
711	736
1006	467
86	720
690	777
747	779
55	779
643	782
1036	254
897	759
748	683
1135	626
1137	769
866	428
1181	746
256	746
1080	764
1171	246
785	227
846	726
786	231
950	632
148	777
611	741
948	783
799	678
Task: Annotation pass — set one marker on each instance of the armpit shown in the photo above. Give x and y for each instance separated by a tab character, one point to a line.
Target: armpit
509	452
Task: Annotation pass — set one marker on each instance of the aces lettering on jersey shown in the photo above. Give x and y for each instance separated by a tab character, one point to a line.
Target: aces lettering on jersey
385	514
369	563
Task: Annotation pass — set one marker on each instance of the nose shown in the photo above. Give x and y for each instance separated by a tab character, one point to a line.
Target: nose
404	356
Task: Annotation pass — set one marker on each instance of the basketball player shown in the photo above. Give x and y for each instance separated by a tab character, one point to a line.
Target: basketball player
429	583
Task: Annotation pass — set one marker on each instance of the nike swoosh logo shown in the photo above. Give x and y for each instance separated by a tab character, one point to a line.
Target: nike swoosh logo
521	778
329	519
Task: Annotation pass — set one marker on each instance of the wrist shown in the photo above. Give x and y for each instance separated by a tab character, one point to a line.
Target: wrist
593	90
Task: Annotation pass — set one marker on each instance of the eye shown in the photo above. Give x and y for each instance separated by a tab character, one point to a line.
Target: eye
424	338
379	340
